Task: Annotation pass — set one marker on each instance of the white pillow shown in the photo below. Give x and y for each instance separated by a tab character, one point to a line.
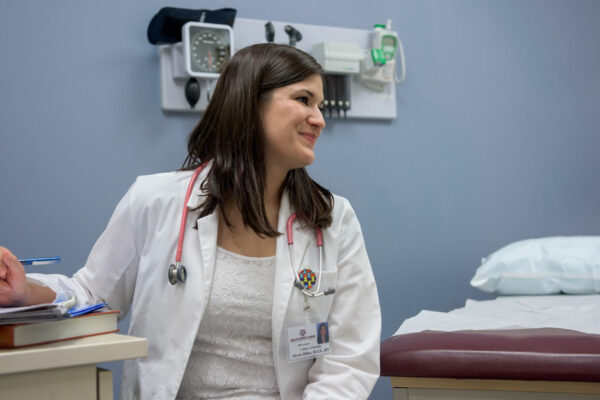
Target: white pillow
542	266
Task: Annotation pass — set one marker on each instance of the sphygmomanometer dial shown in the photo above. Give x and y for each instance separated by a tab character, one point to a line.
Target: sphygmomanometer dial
207	48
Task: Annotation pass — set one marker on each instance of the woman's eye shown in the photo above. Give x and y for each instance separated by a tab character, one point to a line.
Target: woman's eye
302	99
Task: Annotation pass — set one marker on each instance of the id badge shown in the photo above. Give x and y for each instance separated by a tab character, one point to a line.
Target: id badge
308	341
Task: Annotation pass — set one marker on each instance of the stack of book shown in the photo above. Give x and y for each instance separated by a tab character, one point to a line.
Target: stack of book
54	322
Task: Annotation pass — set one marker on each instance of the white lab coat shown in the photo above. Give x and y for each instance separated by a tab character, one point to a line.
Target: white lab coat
128	268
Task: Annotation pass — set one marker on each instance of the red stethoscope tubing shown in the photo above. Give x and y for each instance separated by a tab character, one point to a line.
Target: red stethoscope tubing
290	231
185	212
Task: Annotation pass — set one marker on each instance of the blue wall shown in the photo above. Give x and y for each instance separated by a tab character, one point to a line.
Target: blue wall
496	138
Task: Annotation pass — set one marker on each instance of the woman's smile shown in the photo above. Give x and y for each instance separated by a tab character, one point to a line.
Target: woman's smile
310	137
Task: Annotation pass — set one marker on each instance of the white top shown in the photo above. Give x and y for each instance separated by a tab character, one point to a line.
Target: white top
232	356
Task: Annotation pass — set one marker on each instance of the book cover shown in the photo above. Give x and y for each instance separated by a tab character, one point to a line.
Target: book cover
21	335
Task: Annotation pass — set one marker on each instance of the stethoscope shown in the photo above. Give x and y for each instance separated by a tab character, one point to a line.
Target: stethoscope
304	280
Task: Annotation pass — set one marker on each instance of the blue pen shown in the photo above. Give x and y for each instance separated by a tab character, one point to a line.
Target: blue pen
40	261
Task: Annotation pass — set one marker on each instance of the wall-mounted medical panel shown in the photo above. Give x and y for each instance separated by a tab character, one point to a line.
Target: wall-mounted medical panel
321	41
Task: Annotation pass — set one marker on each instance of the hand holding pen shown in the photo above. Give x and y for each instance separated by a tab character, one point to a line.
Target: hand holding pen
13	285
14	289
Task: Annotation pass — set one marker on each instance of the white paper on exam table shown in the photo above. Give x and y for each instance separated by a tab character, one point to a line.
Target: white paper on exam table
579	313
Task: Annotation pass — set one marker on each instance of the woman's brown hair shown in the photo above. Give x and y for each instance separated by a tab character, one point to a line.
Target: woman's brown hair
230	134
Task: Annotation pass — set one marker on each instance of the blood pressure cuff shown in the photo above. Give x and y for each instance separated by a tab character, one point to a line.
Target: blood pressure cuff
165	26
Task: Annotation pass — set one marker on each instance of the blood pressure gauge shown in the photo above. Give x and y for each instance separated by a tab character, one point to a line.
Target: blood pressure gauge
206	47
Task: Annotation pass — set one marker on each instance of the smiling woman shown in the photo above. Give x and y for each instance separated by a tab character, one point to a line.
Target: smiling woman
263	122
292	123
239	327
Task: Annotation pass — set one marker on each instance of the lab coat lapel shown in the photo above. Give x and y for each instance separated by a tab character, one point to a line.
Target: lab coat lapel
207	237
283	271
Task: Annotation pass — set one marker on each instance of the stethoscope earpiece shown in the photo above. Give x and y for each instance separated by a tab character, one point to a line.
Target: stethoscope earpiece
177	274
300	286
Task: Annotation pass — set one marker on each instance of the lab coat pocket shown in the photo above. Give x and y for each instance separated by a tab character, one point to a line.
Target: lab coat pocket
321	305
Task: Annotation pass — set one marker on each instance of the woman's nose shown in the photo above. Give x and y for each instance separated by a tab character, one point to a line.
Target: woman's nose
316	118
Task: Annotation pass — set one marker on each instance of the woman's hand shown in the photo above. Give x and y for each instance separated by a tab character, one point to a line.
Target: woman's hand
14	290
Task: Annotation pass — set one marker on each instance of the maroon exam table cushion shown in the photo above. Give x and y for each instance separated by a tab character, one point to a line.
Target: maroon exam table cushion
545	354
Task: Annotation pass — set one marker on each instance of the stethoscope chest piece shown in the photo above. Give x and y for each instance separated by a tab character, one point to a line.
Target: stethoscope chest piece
177	274
307	277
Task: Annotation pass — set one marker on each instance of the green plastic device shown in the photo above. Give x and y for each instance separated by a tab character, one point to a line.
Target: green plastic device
385	43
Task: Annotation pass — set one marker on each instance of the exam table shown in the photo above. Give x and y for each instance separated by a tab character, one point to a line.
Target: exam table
434	356
542	363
